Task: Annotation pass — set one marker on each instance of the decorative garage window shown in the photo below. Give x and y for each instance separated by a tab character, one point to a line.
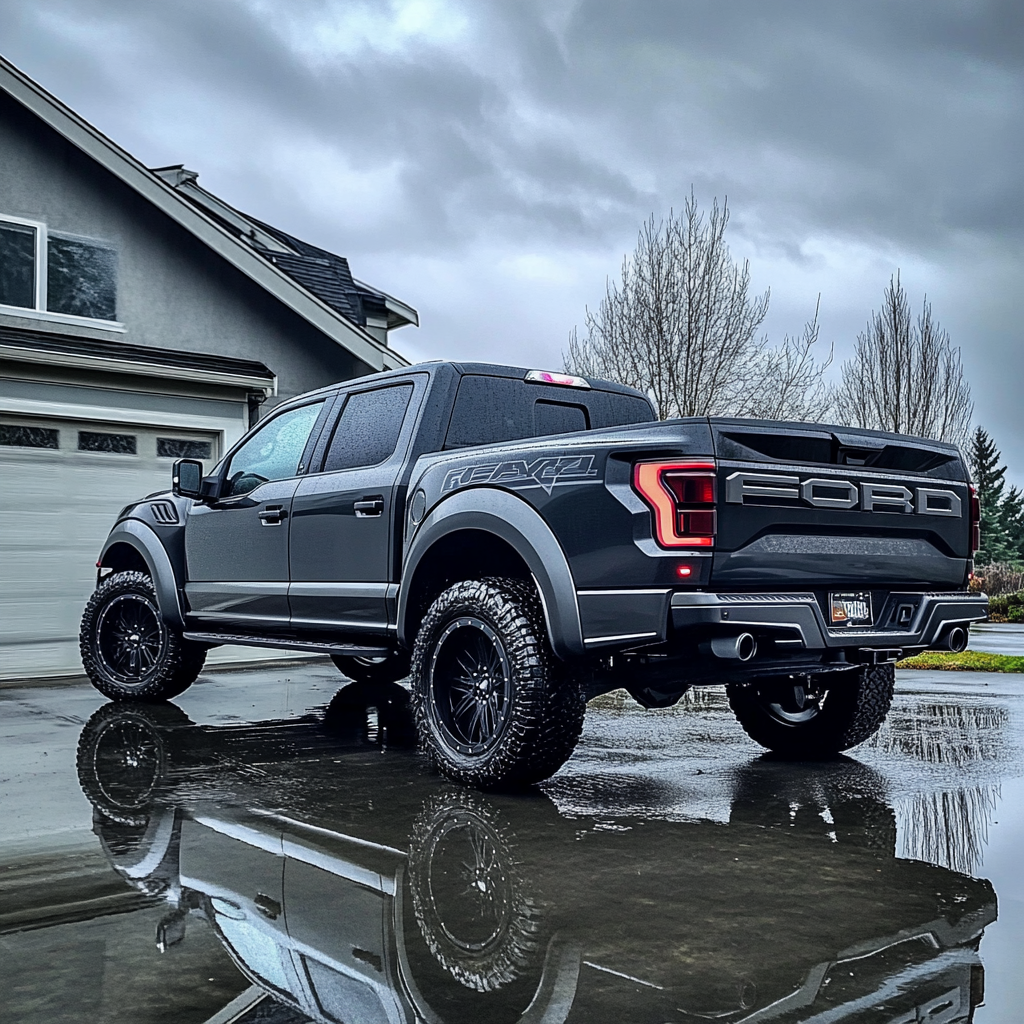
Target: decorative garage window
182	448
28	437
116	444
50	272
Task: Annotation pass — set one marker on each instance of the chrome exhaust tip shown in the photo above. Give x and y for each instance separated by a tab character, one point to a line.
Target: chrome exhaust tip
734	648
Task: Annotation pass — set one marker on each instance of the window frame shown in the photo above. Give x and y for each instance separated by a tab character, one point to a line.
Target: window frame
39	311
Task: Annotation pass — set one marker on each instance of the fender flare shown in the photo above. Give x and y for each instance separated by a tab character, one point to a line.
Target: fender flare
141	537
518	524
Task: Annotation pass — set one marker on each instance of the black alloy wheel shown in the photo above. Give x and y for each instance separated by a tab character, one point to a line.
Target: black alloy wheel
123	757
817	717
130	638
471	685
493	705
479	917
128	651
467	887
127	763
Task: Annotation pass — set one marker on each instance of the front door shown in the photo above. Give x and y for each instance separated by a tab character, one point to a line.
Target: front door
343	517
236	547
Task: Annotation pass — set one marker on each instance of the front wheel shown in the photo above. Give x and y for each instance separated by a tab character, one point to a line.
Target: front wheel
493	704
807	719
128	651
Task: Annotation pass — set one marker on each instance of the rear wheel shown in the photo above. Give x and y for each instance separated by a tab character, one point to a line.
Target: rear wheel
128	651
804	718
493	704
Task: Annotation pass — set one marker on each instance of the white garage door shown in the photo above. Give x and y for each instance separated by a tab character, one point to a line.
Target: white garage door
62	483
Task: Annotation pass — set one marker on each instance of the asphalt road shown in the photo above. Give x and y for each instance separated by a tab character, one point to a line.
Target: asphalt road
292	869
998	638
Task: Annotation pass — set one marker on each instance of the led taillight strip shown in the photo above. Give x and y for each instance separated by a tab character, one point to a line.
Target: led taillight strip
669	513
975	522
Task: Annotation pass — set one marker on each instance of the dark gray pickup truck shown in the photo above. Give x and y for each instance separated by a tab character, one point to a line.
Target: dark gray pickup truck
521	541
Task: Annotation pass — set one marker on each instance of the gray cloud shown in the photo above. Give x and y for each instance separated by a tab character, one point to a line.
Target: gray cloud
491	162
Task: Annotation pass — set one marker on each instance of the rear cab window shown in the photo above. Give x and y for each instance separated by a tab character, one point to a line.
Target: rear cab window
490	410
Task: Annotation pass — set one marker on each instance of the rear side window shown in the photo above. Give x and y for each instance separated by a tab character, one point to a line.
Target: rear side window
368	430
489	410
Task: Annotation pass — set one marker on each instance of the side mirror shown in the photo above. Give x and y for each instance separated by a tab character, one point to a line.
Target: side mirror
187	478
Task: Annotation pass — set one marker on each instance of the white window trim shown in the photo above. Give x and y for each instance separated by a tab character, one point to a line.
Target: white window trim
40	312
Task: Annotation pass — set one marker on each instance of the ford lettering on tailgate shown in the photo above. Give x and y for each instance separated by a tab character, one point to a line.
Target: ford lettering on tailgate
836	493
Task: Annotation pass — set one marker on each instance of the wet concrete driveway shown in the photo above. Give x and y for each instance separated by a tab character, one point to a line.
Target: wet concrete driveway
269	849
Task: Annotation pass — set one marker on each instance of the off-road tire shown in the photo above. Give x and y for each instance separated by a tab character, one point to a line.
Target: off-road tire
373	670
176	662
123	758
851	711
464	879
544	707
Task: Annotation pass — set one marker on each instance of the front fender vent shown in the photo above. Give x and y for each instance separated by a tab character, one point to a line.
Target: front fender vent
164	513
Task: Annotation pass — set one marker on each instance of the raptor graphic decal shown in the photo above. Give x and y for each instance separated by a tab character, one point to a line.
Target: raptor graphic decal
544	472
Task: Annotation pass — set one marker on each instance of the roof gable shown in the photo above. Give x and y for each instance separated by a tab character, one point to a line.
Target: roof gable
325	306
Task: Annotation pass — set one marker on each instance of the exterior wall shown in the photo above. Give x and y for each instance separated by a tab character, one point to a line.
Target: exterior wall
173	292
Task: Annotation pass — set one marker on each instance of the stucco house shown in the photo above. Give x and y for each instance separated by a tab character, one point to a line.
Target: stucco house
142	319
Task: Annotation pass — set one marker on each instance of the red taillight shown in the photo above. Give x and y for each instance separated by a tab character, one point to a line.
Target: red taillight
682	498
975	521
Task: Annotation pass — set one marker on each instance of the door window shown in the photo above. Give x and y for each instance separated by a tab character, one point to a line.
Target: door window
273	452
368	430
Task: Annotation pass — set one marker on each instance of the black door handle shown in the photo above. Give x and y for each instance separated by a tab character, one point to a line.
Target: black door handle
371	505
272	515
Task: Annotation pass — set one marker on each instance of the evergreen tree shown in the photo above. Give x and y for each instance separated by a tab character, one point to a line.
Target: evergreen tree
1012	514
988	475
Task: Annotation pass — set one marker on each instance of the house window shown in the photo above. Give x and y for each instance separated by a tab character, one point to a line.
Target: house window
18	265
50	272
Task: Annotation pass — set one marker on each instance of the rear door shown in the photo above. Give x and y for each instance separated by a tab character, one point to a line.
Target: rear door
342	524
805	506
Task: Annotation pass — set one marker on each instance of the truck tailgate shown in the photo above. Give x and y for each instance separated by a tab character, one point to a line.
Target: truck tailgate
804	506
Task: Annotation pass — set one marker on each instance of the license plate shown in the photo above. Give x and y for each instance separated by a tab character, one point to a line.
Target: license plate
850	609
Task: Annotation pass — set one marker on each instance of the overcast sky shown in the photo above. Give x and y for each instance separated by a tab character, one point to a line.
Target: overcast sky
490	163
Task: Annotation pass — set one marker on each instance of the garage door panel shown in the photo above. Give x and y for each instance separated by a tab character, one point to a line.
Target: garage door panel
58	506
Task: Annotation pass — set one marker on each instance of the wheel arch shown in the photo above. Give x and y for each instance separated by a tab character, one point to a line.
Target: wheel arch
494	533
134	545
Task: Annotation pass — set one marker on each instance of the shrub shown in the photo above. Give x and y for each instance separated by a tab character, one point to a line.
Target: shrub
998	578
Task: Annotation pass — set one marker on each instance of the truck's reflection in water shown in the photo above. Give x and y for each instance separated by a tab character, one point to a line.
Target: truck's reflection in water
353	886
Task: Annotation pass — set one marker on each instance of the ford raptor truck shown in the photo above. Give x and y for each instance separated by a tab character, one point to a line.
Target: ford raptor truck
518	542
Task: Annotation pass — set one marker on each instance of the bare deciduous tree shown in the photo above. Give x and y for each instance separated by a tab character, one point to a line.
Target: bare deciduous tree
681	326
906	376
792	382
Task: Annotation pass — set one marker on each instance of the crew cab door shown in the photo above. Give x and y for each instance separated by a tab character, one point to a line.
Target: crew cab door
236	547
343	517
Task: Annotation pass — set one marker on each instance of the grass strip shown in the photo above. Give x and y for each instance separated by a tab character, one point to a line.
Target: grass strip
965	661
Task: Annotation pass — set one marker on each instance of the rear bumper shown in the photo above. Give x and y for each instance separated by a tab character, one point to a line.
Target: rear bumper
798	618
